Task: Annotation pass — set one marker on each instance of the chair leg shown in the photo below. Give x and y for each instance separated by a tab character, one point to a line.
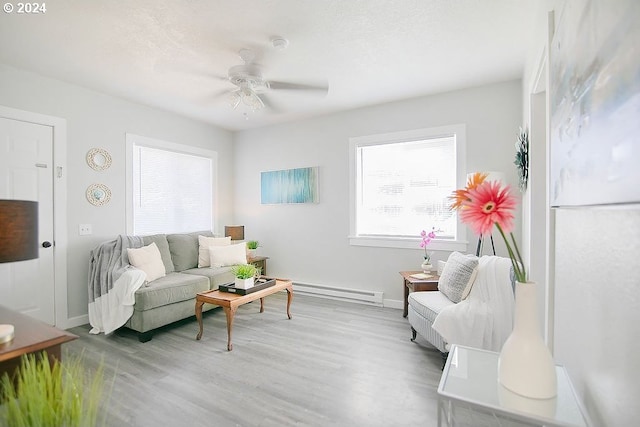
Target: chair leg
445	356
413	334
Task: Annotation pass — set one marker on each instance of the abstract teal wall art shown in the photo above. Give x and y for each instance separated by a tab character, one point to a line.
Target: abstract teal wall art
289	186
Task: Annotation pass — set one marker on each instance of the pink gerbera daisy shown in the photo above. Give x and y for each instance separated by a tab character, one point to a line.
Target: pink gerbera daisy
488	204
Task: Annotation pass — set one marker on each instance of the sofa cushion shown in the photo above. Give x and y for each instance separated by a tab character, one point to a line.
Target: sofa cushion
163	246
429	304
217	276
147	259
204	258
184	249
174	287
458	275
223	256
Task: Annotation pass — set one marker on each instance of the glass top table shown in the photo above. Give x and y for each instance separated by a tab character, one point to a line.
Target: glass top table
470	379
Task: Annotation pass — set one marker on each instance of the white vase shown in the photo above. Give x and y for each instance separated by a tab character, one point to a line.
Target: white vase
525	365
426	266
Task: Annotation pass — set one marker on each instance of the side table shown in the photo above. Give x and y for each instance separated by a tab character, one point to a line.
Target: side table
260	262
417	285
469	394
31	336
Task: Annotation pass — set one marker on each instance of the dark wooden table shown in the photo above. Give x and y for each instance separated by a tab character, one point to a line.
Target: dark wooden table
31	336
412	284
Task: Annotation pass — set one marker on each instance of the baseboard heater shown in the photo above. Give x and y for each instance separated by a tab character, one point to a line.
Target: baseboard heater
345	294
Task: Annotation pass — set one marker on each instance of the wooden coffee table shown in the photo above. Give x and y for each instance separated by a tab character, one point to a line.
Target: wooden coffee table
230	303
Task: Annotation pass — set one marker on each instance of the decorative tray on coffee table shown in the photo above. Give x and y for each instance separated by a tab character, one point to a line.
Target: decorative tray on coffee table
259	283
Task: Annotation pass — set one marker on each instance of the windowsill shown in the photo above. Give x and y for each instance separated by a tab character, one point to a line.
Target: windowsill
407	243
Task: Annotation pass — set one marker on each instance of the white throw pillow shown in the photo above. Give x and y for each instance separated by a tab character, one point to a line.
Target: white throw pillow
204	243
222	256
458	275
149	260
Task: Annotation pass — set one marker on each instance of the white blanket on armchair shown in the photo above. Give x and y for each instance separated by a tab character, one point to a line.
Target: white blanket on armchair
485	319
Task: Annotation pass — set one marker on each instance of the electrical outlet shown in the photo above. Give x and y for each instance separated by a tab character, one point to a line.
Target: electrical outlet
84	229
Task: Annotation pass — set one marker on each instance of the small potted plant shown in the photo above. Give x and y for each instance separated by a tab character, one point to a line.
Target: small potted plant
252	245
426	238
245	275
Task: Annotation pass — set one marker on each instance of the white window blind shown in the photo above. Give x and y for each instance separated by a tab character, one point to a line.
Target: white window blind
404	188
400	185
171	191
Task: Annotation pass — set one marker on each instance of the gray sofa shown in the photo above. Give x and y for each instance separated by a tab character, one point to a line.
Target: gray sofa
172	298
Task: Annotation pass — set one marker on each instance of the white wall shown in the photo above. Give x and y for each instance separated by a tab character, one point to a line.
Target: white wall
597	309
97	120
308	242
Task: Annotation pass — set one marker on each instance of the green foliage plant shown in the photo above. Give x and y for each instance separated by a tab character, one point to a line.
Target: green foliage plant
253	244
44	395
244	271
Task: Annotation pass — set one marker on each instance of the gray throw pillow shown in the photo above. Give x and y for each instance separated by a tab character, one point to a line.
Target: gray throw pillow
163	246
184	249
458	275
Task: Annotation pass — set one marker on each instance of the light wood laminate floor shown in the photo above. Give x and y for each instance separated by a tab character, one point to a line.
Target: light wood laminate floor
334	363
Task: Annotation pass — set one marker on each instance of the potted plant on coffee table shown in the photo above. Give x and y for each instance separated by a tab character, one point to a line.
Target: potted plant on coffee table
245	275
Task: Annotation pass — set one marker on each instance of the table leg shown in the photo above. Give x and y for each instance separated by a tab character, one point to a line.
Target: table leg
289	299
406	299
229	312
199	305
261	305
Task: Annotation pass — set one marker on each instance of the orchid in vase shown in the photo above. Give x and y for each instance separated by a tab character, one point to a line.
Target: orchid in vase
426	239
483	204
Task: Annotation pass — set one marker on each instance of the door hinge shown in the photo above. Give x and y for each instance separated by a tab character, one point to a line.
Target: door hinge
59	171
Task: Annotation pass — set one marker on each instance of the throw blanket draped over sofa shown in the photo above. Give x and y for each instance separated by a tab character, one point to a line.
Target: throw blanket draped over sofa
112	284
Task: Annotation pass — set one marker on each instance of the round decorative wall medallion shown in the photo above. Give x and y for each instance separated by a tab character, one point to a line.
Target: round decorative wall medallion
98	194
98	159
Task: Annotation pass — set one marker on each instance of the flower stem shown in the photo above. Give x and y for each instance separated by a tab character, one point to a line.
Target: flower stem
518	265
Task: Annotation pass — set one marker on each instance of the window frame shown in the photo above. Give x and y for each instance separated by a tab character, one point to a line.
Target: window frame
458	131
133	140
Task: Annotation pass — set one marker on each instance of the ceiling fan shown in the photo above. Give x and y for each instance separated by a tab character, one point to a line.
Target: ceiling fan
251	86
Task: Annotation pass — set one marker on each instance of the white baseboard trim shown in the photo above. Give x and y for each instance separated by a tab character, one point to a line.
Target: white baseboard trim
75	321
345	294
393	303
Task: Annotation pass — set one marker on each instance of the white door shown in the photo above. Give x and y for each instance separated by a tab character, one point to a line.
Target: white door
26	173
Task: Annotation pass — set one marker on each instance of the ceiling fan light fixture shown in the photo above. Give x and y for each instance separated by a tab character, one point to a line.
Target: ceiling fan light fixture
234	99
252	100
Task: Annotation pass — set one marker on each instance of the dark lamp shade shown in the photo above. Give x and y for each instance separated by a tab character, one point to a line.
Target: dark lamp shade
235	231
18	230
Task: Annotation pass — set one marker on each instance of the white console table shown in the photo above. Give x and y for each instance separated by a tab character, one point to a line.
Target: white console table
469	395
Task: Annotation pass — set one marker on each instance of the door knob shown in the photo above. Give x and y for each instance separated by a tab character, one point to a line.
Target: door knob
46	244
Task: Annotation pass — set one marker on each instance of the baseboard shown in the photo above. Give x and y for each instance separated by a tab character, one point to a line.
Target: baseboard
393	303
75	321
345	294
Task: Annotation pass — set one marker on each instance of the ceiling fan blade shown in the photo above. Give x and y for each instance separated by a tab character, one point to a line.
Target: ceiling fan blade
298	86
269	105
217	96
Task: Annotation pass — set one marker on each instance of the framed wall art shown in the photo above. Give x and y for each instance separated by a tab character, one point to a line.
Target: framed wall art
289	186
594	88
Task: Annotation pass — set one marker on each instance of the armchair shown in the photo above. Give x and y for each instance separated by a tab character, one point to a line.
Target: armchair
473	306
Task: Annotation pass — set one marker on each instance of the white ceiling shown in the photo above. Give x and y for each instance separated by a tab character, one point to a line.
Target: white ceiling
171	54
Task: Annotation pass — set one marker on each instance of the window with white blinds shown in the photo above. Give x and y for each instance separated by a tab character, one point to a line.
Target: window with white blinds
171	187
402	183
